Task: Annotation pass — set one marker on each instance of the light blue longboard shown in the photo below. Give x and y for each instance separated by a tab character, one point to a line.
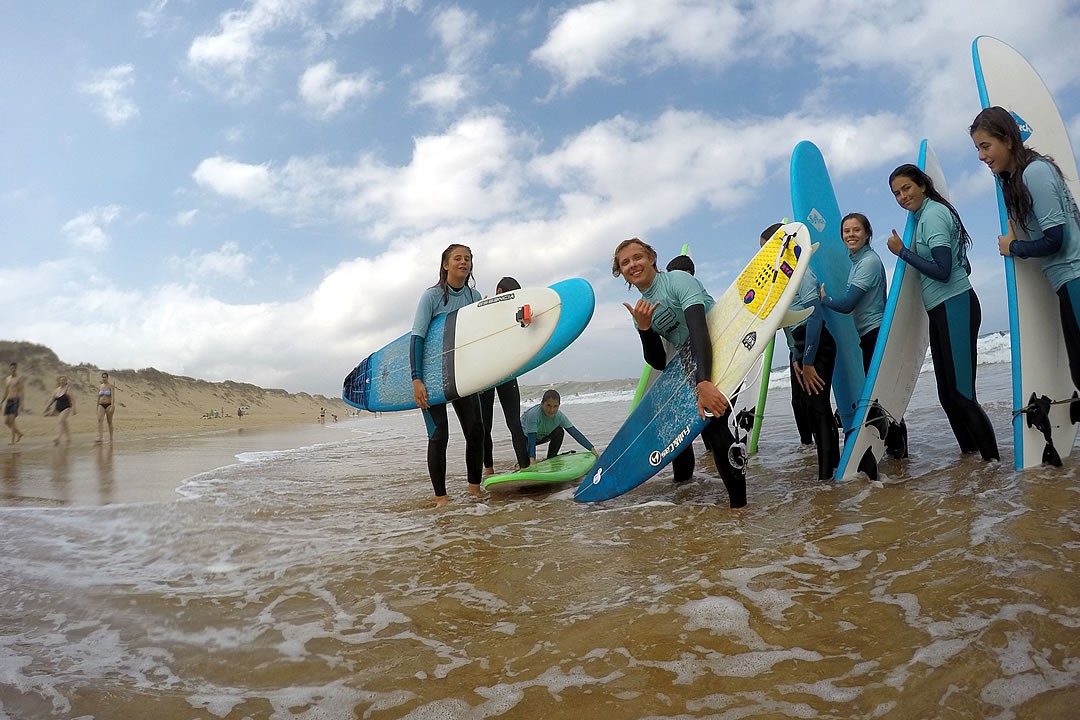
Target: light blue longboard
552	472
382	382
665	421
898	355
1040	363
814	203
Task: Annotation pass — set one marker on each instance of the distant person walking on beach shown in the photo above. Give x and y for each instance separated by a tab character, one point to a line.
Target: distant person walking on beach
106	403
62	403
13	392
672	307
450	293
545	423
939	253
509	401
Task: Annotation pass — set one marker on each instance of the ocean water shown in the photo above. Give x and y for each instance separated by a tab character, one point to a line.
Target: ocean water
309	577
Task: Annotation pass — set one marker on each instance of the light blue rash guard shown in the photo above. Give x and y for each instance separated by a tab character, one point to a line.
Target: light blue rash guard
538	426
807	296
1052	205
935	226
675	291
865	298
431	305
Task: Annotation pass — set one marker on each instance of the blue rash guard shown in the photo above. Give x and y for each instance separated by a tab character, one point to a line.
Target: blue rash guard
865	295
938	256
1052	226
538	426
431	305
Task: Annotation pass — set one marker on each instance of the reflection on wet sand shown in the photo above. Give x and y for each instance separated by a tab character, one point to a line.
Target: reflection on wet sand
61	474
105	477
11	476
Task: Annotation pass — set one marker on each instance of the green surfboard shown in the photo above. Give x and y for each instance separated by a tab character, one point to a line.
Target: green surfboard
551	472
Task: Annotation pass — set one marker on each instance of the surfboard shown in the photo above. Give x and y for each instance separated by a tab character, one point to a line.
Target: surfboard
578	303
814	203
666	419
1040	365
898	355
546	473
465	351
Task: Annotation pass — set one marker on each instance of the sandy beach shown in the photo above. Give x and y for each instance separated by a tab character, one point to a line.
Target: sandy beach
166	428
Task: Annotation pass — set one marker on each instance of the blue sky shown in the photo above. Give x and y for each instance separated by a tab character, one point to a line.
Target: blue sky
260	191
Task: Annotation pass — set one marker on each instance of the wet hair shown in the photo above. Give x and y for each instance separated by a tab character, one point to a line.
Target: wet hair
864	221
507	284
913	173
616	271
999	123
443	272
62	380
768	232
681	262
551	395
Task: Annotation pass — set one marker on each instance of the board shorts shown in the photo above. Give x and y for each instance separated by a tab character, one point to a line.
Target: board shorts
11	407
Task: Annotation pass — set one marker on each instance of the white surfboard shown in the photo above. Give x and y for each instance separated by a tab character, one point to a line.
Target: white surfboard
1040	365
898	356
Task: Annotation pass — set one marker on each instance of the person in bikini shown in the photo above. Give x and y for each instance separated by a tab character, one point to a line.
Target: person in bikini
62	404
13	391
106	402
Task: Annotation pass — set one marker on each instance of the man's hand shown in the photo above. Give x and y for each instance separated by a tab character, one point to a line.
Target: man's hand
642	312
711	399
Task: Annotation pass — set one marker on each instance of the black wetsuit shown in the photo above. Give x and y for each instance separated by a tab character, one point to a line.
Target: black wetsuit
510	401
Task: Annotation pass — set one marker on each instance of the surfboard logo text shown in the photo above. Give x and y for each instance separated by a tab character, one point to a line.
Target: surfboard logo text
817	220
749	340
657	456
1025	129
497	299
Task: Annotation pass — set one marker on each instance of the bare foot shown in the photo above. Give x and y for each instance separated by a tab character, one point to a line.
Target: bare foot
441	500
476	491
489	471
18	438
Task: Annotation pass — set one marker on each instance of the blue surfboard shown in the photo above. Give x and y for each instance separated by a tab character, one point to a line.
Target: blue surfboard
474	348
814	203
898	355
741	322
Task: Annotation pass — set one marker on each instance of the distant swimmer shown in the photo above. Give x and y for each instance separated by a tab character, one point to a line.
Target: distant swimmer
13	392
106	405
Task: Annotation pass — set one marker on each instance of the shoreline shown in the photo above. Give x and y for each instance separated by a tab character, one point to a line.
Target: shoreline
147	464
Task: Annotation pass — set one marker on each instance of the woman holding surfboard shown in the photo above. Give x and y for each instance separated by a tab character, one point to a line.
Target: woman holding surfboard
939	255
864	300
672	307
450	293
1038	202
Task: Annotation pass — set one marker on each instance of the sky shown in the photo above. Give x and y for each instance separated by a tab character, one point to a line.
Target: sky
260	191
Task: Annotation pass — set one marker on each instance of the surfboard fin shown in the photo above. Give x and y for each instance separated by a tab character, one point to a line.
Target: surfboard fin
868	464
1074	408
793	316
1038	417
876	419
524	315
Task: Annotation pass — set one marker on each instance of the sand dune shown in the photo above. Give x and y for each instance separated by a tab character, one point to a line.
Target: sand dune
149	401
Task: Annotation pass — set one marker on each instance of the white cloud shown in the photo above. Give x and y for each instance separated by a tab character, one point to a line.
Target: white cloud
443	91
88	230
186	217
227	261
461	34
355	13
234	179
327	92
596	39
224	58
110	89
153	18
